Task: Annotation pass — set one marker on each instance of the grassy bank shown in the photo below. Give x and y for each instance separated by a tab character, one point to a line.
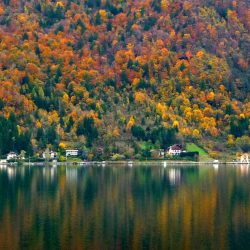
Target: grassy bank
203	155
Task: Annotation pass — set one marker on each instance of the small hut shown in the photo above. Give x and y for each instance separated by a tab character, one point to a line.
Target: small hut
244	159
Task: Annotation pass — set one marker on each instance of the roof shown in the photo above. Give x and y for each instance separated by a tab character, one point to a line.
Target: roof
12	153
176	147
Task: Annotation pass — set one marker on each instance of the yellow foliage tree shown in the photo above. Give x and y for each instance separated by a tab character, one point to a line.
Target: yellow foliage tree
140	97
196	133
210	96
135	81
53	117
176	124
200	54
116	132
38	124
103	14
66	98
164	5
230	140
130	123
197	115
62	145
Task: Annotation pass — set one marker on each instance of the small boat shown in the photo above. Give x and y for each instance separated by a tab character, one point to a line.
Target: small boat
130	163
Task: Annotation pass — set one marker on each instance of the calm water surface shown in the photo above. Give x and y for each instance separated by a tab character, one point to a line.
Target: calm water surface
125	208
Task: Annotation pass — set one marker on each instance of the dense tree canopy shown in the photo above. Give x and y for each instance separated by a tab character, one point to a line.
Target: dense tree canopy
73	71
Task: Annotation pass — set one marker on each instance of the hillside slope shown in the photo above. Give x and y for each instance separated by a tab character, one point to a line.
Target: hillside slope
112	74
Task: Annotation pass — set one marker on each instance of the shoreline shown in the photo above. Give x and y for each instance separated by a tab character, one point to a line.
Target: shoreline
122	163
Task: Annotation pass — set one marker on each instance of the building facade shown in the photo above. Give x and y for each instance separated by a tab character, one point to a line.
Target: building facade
175	149
72	152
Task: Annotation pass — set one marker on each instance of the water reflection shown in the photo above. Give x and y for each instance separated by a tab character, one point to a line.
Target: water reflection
49	173
216	166
243	169
174	176
158	207
11	172
71	174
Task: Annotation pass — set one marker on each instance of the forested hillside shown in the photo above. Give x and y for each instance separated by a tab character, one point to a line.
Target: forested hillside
124	76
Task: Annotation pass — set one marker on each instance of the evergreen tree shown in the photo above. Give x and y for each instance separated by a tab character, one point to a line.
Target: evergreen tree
87	128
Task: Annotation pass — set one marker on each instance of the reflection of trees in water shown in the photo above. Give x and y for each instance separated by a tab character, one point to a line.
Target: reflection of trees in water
105	208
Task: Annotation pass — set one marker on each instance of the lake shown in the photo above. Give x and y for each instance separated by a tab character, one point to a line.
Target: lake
116	207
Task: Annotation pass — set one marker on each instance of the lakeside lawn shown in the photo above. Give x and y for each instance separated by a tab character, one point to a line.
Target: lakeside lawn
191	147
203	155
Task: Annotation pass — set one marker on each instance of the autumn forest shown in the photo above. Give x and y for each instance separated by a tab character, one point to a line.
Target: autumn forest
123	77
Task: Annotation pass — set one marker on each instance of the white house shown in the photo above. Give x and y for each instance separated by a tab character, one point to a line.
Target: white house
51	155
175	149
12	156
72	152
